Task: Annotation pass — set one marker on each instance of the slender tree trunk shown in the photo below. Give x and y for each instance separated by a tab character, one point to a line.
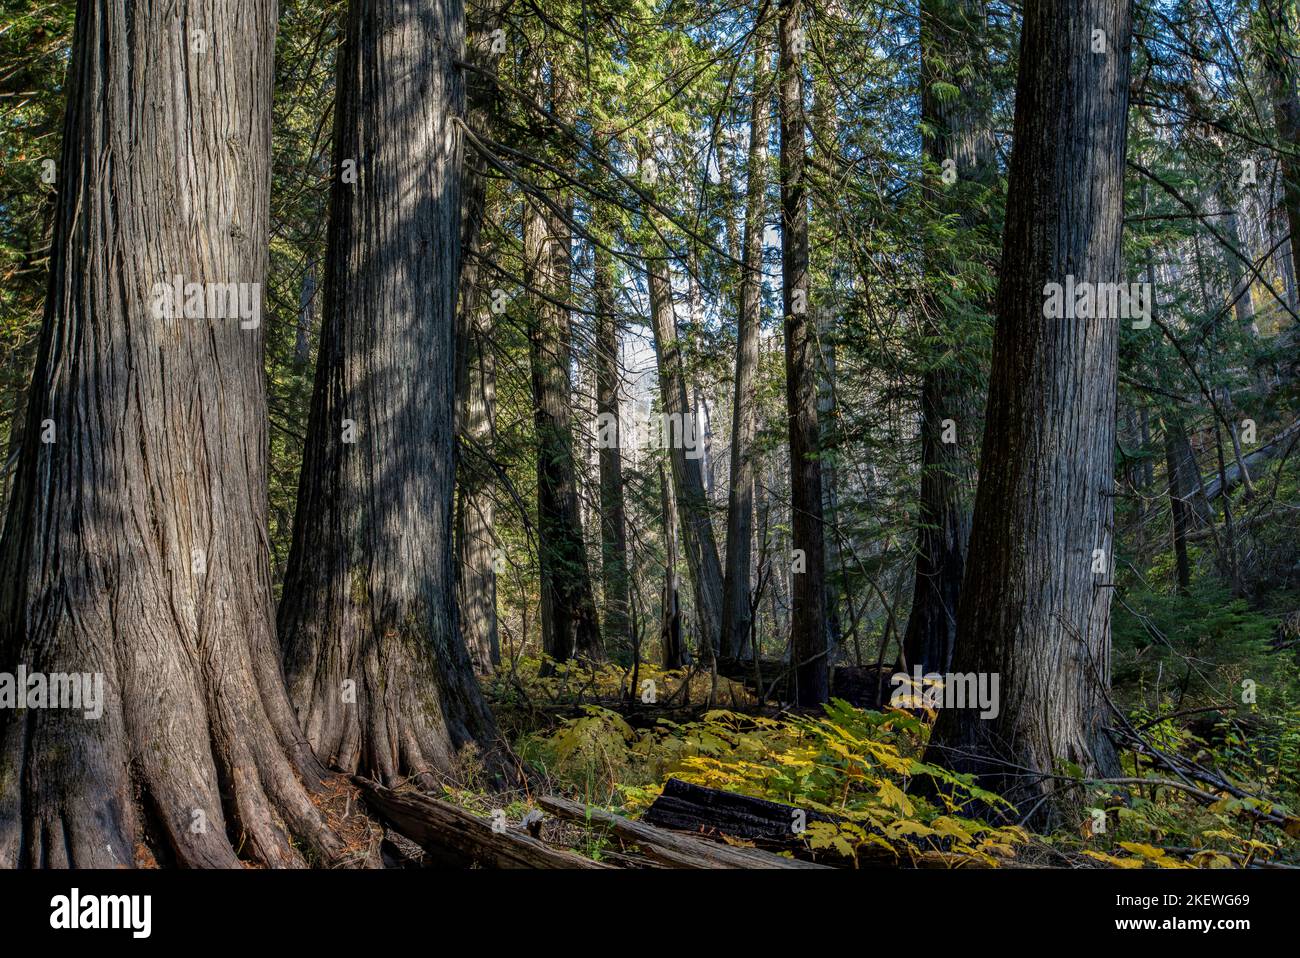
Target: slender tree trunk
825	136
306	317
685	446
670	632
476	582
1242	304
135	550
1033	610
1178	503
808	615
945	522
1229	523
1243	469
613	525
1221	411
569	624
475	507
1188	482
700	408
1282	257
1146	473
736	624
952	52
1281	70
376	668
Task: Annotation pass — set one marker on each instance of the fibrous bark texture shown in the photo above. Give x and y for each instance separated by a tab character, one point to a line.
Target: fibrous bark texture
377	672
1033	610
136	546
808	562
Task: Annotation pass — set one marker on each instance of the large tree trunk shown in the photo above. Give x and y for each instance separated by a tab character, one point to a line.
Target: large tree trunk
808	615
736	615
376	669
136	545
688	479
569	624
1032	609
613	526
952	52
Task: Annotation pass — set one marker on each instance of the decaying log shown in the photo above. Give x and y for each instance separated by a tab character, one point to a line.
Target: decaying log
454	837
710	812
696	808
774	675
1279	444
863	686
670	848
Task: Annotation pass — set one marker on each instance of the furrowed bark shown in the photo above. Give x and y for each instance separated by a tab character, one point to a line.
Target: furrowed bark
136	543
808	614
377	671
1032	609
475	507
476	583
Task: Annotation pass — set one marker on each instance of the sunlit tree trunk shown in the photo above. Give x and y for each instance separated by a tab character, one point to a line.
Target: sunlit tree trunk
685	447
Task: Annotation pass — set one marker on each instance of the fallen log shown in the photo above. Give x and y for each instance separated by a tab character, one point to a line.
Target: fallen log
454	837
1279	444
696	808
772	675
711	812
671	848
863	686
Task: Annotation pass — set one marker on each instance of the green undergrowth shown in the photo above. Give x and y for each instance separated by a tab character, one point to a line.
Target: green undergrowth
1197	676
851	764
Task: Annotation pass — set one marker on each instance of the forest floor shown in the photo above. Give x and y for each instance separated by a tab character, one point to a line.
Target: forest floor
598	759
